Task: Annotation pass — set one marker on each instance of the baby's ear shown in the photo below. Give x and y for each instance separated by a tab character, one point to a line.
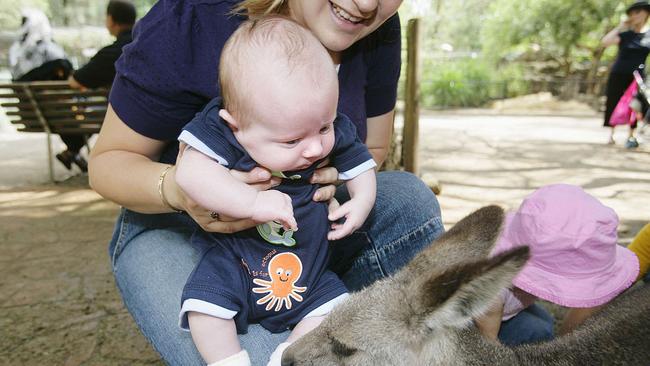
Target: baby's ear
226	116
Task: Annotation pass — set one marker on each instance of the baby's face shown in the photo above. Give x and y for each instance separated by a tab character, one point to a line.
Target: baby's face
291	127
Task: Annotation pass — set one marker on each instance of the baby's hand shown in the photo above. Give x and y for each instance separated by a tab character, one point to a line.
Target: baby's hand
355	212
274	205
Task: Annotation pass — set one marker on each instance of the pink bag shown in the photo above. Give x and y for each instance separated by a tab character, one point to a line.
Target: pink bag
623	113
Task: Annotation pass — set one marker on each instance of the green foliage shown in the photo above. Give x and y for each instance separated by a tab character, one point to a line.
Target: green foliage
563	30
10	11
67	13
468	83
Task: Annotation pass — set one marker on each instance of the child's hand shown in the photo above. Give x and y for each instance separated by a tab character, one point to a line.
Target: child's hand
274	205
355	212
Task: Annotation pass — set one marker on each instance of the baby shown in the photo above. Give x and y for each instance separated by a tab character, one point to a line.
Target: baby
575	261
279	111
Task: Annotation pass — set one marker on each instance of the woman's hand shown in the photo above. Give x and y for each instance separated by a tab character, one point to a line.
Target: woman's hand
327	176
257	178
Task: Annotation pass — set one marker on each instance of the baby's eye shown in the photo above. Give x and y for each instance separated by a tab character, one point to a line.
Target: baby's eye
326	129
292	142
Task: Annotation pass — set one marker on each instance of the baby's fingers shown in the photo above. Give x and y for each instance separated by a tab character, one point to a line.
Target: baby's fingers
339	231
289	223
337	212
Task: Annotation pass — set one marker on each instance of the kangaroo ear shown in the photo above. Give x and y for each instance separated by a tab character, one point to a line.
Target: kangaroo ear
463	292
472	238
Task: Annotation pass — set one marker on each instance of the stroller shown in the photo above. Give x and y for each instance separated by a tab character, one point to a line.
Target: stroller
640	105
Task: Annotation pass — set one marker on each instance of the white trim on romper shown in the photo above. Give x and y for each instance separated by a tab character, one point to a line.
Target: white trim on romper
327	307
204	307
367	165
197	144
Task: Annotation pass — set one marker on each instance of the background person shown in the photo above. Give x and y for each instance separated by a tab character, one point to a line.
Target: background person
34	56
633	48
99	72
575	261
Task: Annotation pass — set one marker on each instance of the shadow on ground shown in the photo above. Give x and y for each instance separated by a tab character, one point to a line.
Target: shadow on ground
59	303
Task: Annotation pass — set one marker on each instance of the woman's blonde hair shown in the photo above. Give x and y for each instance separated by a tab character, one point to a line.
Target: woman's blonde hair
253	8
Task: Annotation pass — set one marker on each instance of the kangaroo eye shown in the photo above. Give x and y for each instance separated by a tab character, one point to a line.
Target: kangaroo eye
341	349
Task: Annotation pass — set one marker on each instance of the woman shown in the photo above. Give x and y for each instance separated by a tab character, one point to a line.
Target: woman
633	48
167	75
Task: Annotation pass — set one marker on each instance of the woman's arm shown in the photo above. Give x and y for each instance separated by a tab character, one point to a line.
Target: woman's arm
380	132
122	168
613	37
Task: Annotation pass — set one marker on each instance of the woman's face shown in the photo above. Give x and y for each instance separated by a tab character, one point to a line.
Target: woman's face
638	17
340	23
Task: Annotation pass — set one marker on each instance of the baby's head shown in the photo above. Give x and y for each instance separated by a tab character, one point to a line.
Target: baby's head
575	258
280	93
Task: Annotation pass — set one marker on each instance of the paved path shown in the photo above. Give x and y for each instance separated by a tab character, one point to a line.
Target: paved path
58	303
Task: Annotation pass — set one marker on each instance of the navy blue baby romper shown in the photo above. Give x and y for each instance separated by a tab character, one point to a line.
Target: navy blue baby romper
264	275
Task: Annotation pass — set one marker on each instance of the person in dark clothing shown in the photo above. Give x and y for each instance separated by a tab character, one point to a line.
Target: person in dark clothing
34	56
633	48
99	72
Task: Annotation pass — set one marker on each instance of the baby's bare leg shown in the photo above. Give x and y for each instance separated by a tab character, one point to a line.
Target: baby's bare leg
215	338
302	328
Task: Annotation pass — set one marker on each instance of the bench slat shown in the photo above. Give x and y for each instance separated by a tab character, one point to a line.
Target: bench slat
73	122
46	105
28	123
72	94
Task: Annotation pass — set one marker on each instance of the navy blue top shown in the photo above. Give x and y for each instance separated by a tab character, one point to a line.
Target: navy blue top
632	52
233	271
169	71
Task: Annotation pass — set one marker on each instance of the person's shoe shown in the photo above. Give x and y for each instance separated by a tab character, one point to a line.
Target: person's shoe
611	141
65	157
631	143
81	163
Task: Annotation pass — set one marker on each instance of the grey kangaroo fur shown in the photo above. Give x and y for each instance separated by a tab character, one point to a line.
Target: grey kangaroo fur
423	314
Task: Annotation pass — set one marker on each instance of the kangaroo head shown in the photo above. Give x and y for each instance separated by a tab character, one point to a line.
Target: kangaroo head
401	320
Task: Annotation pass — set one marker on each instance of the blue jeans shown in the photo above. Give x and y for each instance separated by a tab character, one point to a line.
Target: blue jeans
531	325
152	258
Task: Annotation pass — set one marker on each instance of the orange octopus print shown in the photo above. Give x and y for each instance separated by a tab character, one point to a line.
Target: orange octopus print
284	269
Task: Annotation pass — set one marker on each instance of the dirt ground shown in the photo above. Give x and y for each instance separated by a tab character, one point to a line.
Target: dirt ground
58	302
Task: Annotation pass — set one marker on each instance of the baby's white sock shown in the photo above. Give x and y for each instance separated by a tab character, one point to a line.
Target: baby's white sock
276	356
238	359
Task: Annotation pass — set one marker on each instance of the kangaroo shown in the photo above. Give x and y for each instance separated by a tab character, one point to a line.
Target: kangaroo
423	314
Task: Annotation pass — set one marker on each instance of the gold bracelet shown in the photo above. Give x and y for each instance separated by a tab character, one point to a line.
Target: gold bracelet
161	179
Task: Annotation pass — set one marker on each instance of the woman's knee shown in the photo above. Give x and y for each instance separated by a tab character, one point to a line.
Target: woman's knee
404	193
150	273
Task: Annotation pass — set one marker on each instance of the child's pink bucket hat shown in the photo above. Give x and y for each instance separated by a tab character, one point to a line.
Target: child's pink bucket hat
575	259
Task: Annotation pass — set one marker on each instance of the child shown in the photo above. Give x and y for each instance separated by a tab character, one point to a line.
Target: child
575	259
280	93
641	247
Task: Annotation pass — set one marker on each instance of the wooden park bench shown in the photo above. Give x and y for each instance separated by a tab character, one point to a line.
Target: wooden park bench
54	108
